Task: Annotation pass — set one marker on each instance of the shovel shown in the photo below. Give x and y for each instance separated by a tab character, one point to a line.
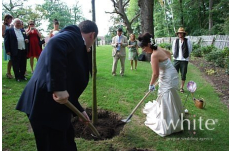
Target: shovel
133	111
77	112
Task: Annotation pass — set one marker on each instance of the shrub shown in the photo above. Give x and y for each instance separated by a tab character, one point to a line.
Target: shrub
196	50
165	45
226	64
208	49
225	52
217	57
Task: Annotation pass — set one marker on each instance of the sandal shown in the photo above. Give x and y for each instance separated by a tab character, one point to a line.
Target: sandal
9	76
181	90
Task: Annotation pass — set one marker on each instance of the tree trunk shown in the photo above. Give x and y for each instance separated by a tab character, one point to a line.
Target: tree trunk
146	17
181	14
94	71
173	21
165	16
210	16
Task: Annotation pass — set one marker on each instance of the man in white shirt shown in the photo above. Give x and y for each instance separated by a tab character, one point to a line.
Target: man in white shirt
181	49
15	44
119	43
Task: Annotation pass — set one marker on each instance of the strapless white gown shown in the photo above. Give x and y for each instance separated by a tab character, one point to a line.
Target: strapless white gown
164	113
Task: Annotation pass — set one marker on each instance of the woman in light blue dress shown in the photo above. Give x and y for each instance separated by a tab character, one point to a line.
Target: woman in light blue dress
6	25
133	50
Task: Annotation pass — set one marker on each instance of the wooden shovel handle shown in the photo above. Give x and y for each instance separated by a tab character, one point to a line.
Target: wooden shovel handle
77	112
142	100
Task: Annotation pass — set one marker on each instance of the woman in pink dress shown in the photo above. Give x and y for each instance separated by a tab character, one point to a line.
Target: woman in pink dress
34	48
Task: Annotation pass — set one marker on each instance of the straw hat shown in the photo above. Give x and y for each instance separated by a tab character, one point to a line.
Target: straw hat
181	30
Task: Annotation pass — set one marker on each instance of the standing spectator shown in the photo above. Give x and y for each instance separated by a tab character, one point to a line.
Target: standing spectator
181	49
15	44
133	50
62	74
119	43
56	28
22	28
34	47
6	25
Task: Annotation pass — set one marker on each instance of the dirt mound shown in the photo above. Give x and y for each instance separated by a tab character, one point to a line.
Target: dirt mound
109	125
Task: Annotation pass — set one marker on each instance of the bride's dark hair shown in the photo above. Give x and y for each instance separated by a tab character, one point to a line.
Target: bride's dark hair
145	39
56	22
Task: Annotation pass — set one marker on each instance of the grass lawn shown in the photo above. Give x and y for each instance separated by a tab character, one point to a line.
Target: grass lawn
120	95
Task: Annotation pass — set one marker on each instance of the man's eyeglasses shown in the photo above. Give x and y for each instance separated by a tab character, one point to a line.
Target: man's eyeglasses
31	24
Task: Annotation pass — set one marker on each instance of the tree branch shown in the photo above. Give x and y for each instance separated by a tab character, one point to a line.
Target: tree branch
126	3
114	3
111	12
134	18
116	12
6	7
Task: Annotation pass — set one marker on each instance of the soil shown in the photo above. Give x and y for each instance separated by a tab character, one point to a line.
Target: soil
109	125
217	76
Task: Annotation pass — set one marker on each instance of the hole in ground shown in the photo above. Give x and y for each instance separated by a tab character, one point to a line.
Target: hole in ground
109	125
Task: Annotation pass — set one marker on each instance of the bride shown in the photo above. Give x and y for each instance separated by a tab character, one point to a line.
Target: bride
163	114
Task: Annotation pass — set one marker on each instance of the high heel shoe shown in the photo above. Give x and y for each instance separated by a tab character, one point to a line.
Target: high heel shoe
9	76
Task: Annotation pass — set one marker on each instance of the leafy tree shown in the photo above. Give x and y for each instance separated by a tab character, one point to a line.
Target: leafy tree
50	10
56	10
13	7
131	11
120	9
163	20
18	10
76	14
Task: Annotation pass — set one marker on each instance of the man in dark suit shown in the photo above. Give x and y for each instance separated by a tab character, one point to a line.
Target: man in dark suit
15	41
62	73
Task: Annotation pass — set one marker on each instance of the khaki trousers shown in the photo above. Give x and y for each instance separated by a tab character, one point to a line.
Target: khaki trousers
115	61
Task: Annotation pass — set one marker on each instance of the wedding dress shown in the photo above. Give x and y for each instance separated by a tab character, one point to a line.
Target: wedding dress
164	113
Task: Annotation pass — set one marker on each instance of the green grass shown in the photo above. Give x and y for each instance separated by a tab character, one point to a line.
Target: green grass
120	95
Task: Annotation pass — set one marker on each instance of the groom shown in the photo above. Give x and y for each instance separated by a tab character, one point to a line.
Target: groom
61	74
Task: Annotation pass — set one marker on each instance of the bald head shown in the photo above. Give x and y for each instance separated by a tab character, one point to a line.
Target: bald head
17	23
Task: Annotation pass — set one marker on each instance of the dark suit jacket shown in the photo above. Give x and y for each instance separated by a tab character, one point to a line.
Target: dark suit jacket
11	42
62	65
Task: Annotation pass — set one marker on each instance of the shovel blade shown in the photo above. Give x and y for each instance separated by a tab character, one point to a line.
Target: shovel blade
125	120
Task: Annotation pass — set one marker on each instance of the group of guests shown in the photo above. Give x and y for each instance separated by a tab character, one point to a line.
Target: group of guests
21	44
181	49
57	79
119	43
164	113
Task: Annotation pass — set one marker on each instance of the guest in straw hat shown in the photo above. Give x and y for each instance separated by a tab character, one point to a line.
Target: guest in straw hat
181	49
